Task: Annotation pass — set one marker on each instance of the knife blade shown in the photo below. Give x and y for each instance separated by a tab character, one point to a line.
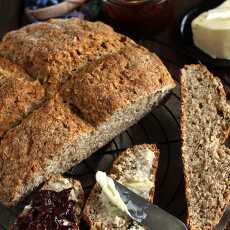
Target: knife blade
146	213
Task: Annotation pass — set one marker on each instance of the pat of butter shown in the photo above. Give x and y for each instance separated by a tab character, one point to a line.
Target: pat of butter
218	14
140	186
211	31
109	189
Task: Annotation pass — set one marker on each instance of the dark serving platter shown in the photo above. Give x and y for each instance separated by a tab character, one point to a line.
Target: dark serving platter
185	33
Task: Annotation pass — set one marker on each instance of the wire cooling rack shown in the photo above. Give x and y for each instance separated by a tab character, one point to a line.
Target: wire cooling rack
161	126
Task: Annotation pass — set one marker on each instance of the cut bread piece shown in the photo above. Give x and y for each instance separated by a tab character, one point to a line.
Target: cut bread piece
19	95
92	109
205	125
135	168
57	205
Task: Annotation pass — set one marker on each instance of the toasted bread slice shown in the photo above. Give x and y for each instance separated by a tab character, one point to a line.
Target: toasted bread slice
205	125
135	168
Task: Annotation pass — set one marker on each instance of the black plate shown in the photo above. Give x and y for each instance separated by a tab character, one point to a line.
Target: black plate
186	34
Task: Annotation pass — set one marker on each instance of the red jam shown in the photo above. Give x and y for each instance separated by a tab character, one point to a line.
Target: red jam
50	210
139	16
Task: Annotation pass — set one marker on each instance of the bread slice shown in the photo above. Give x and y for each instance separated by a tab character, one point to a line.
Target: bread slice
131	168
63	202
93	107
205	125
19	95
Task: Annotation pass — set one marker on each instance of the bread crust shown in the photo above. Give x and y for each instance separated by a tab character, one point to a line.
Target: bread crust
219	212
54	49
19	95
113	82
114	173
86	112
26	151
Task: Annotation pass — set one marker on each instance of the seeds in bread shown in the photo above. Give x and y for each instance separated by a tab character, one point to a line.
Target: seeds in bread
19	95
58	183
135	168
205	125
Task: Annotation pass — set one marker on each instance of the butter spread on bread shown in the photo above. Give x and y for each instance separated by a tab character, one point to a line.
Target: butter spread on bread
139	162
110	191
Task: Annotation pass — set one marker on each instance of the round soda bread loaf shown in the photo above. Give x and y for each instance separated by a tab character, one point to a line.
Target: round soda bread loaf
96	84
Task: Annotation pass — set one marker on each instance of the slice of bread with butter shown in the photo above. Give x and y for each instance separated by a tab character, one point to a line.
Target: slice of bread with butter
205	127
211	31
136	169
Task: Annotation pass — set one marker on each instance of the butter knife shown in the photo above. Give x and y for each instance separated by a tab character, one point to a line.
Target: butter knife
147	214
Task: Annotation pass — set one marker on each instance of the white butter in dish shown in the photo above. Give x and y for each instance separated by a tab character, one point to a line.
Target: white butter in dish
211	31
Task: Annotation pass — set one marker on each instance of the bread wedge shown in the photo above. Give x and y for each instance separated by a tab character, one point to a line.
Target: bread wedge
95	105
135	168
58	203
205	125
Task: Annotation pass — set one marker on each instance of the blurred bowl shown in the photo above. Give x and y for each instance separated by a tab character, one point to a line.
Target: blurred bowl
53	11
139	16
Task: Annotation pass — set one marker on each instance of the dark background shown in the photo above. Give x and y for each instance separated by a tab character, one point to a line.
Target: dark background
11	12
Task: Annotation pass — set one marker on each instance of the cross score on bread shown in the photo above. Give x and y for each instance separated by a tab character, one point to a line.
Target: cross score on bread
96	84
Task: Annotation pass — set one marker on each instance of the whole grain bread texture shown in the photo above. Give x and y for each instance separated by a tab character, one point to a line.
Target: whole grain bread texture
51	51
136	165
19	95
205	126
101	96
57	183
